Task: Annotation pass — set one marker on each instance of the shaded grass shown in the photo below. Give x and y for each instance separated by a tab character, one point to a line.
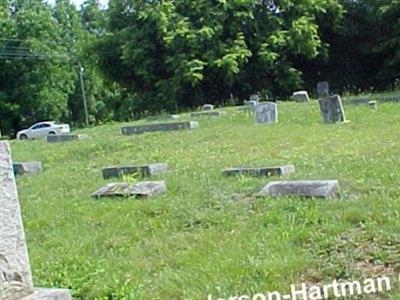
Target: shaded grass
209	234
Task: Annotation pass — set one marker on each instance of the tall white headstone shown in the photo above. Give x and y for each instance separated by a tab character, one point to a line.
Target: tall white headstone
15	271
266	112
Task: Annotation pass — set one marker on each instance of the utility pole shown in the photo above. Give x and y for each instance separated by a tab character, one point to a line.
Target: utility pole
83	94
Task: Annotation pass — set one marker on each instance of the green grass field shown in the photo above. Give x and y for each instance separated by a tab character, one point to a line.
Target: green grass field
209	234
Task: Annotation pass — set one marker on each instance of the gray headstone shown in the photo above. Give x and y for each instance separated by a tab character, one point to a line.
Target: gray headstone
263	171
61	138
332	109
15	273
208	107
255	97
31	167
266	112
323	89
139	129
207	114
140	189
328	189
163	117
144	170
300	96
373	105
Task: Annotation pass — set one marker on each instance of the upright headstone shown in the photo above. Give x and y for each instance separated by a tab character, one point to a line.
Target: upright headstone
300	96
255	97
332	109
15	273
266	112
207	107
323	89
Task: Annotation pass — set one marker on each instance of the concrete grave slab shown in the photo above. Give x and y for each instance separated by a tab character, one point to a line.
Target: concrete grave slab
266	112
30	167
139	129
142	170
15	272
62	138
262	171
141	189
327	189
207	107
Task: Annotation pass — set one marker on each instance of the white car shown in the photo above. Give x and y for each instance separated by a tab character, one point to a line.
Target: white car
40	130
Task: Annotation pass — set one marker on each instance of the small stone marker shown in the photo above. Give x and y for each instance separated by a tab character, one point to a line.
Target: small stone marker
207	107
263	171
31	167
323	89
163	117
144	170
255	97
266	112
300	96
140	189
208	113
139	129
373	105
328	189
15	272
61	138
332	109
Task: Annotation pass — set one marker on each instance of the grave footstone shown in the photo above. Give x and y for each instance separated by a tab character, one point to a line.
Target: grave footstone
263	171
145	189
207	107
15	272
373	105
328	189
300	96
163	117
139	129
332	109
143	170
31	167
61	138
266	112
323	89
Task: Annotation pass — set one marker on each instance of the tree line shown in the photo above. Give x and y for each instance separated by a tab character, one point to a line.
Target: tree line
139	57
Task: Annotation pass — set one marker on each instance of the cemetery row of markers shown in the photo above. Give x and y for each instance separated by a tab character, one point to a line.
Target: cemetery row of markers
15	272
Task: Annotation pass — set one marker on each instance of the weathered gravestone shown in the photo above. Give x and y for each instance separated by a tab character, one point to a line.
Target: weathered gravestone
163	117
208	107
139	129
300	96
209	113
323	89
141	189
61	138
332	109
328	189
31	167
266	112
15	273
263	171
373	105
143	170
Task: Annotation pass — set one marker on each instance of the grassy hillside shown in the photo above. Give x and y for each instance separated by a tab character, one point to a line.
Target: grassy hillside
208	234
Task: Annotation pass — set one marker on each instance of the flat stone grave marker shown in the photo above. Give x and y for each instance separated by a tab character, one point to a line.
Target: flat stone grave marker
61	138
15	272
207	107
266	112
323	89
332	109
30	167
163	117
143	170
300	96
139	129
145	189
262	171
209	113
327	189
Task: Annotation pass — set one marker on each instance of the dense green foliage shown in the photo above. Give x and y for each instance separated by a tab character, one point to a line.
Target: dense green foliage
141	56
209	233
